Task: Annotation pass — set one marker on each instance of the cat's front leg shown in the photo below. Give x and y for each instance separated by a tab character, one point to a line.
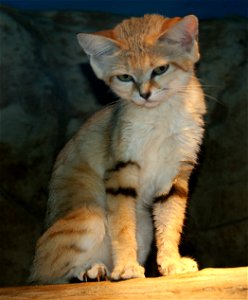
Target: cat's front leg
169	213
122	193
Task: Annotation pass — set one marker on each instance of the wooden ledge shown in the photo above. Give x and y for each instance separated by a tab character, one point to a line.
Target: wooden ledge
207	284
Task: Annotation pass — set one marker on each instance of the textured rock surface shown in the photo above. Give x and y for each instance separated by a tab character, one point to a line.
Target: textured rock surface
47	92
219	207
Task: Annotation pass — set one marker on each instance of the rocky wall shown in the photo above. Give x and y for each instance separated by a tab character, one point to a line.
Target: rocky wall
47	90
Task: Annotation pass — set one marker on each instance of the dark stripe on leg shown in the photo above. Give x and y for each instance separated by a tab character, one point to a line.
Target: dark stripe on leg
176	190
188	163
121	164
129	192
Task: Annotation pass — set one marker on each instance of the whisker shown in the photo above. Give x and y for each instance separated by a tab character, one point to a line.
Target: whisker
213	98
203	83
186	89
210	86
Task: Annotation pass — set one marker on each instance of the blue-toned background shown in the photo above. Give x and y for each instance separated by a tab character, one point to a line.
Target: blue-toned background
204	9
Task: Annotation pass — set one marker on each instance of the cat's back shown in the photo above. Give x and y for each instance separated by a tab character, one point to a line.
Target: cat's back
80	164
90	144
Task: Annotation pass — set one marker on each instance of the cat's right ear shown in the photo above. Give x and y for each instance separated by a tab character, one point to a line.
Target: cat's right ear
101	50
97	45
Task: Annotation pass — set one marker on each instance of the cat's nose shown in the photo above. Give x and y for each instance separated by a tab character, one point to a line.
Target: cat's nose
145	95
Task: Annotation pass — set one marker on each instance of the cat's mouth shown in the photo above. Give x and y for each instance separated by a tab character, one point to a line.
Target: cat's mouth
154	100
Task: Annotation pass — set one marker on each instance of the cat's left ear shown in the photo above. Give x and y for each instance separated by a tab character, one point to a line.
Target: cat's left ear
183	34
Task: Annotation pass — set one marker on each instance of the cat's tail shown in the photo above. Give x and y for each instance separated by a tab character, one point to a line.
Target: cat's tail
75	241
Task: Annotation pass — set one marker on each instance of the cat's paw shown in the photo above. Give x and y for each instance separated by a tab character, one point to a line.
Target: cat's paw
179	265
96	271
127	272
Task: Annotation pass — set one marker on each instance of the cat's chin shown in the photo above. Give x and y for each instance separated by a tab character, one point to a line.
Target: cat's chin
148	104
151	103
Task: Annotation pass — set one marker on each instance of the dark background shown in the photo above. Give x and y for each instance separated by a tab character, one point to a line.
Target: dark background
204	9
47	90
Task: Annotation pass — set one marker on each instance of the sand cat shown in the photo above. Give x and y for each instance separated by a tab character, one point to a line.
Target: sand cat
125	174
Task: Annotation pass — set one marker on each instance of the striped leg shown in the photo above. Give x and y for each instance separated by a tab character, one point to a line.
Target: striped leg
121	189
169	213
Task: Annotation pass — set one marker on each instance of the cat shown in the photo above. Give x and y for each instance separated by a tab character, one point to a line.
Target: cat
125	174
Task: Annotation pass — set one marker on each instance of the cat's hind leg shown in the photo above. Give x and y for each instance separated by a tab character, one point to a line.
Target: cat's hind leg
76	245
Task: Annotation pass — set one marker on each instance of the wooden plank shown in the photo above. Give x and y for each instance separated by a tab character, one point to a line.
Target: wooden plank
207	284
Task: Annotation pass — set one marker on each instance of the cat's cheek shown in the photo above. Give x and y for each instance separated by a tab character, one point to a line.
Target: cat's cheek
124	92
138	101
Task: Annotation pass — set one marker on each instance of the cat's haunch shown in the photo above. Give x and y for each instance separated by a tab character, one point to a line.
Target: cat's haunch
127	168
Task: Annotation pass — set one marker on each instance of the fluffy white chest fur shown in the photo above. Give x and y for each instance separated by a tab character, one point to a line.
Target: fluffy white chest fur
160	139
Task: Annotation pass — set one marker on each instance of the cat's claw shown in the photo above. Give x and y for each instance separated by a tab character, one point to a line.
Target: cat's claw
96	271
127	272
179	265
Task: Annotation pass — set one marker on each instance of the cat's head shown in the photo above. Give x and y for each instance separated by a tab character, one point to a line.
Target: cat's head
144	60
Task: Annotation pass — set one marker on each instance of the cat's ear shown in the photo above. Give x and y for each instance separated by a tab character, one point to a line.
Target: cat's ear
183	34
97	44
100	48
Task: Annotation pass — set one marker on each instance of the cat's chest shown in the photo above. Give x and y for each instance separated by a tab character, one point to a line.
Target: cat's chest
156	140
159	145
158	152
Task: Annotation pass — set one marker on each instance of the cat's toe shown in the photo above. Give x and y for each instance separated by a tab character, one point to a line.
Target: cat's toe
127	272
98	271
180	265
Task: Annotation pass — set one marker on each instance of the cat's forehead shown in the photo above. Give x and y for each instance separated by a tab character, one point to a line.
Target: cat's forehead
138	33
139	27
138	39
141	64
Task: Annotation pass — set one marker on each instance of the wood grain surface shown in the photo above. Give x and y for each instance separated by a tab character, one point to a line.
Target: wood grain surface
229	283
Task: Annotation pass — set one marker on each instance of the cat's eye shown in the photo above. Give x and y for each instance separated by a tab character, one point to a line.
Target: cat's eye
125	77
160	70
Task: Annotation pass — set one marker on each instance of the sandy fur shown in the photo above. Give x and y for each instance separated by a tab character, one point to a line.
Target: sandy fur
131	161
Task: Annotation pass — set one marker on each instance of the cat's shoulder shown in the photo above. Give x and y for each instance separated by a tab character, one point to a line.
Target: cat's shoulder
97	121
